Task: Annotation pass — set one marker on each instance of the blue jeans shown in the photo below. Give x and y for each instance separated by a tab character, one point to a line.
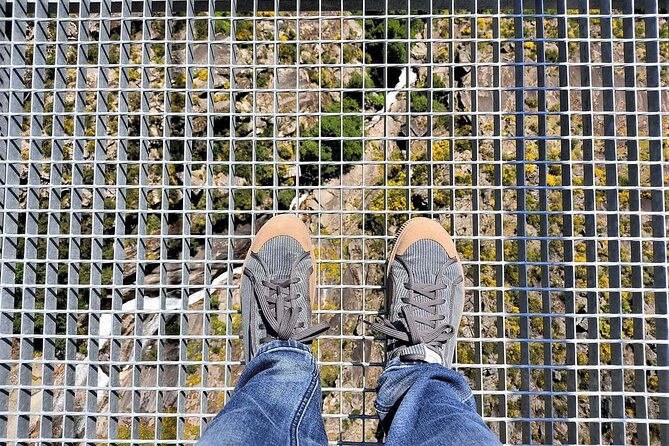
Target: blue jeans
278	401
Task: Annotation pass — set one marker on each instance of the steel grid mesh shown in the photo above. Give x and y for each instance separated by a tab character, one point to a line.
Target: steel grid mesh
142	143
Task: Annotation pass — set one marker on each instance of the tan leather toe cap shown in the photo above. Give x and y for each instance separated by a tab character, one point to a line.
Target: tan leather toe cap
421	228
283	225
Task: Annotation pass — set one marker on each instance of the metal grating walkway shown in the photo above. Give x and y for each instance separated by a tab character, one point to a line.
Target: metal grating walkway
143	142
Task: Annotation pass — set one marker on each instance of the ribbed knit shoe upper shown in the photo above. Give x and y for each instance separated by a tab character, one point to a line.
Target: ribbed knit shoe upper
426	297
276	301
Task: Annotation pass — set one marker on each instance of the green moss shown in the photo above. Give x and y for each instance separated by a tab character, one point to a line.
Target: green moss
466	353
605	353
286	151
217	326
392	199
465	249
236	319
244	30
329	375
351	53
193	380
146	432
169	428
287	53
331	147
222	26
513	353
513	408
374	100
375	29
331	271
418	102
285	197
582	358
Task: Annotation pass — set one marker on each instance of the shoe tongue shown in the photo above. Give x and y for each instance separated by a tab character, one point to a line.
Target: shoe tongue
425	259
420	352
279	255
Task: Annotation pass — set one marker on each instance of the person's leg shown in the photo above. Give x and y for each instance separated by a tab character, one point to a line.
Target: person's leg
427	404
278	397
277	401
421	400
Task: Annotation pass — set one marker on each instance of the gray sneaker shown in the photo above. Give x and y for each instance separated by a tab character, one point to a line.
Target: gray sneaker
424	294
278	284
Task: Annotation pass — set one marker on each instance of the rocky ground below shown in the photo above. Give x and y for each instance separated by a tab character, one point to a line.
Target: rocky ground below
242	89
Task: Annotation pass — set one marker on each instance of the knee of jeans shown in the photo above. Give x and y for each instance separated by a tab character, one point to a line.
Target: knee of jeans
283	373
289	353
395	381
295	364
381	409
427	379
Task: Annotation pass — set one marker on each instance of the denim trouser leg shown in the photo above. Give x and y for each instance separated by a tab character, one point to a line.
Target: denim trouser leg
428	404
277	401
